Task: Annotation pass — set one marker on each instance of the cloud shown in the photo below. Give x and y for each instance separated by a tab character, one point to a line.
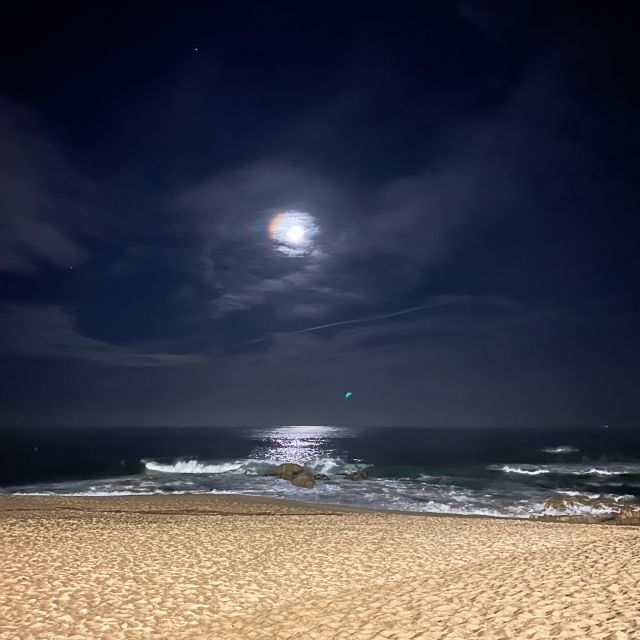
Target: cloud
248	295
441	301
231	302
240	266
233	208
502	181
46	331
42	218
381	249
368	250
310	310
435	303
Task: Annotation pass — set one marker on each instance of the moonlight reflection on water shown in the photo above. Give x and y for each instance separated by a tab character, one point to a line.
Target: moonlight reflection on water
297	444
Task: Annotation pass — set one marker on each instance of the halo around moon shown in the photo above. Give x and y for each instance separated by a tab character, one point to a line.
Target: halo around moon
293	232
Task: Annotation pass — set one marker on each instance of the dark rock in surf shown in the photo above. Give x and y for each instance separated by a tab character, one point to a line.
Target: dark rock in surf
356	475
304	479
630	515
578	519
285	471
321	476
621	510
294	473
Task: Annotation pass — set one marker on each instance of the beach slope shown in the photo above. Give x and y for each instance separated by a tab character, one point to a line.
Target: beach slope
218	567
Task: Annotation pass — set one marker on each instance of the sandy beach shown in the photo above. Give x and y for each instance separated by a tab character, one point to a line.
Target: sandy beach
218	567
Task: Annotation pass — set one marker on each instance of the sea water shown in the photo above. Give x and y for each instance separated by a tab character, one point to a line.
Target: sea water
501	472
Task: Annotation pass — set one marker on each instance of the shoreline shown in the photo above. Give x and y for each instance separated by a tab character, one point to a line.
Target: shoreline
74	502
333	508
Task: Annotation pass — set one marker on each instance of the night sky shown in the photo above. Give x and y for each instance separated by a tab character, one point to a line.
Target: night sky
233	213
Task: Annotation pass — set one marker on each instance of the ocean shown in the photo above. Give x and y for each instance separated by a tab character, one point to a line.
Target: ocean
515	473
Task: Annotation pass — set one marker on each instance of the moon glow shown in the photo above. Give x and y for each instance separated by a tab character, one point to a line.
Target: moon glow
293	232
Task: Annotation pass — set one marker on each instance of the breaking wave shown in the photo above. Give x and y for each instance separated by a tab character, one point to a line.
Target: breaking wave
191	466
569	470
526	472
252	467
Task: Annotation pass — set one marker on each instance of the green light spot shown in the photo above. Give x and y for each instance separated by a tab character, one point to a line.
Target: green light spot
348	395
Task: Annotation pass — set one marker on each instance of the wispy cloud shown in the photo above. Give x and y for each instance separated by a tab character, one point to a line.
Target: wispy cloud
47	331
383	316
440	301
40	197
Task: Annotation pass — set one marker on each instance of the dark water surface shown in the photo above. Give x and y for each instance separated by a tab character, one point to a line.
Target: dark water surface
506	472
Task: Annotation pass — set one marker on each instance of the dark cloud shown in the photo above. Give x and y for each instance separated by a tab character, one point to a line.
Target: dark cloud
43	200
471	168
473	364
403	228
50	332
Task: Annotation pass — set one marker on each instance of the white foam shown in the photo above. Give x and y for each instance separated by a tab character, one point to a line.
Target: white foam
327	466
616	469
109	494
573	494
560	450
333	466
625	498
599	472
193	466
527	472
576	509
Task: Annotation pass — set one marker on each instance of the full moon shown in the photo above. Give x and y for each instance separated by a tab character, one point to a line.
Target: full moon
293	232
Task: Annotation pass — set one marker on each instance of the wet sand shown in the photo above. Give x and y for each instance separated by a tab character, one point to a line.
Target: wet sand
218	567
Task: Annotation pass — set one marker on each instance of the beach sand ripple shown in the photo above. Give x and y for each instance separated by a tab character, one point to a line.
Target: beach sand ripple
228	567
